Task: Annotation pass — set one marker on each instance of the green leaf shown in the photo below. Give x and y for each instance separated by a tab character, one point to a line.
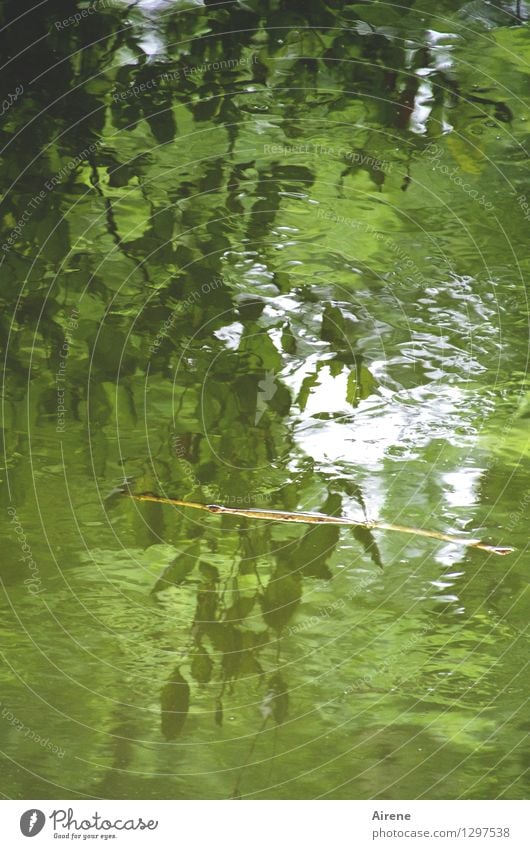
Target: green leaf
240	597
201	666
317	544
261	352
179	568
352	489
367	540
333	325
281	597
366	382
352	389
288	340
233	653
174	705
305	390
208	572
361	384
207	601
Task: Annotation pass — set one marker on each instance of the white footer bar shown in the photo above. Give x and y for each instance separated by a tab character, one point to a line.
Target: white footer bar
266	824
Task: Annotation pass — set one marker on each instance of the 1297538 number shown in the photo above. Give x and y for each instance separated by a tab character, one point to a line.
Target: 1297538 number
487	831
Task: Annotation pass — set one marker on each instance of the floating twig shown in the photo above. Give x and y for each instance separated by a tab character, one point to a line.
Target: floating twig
318	519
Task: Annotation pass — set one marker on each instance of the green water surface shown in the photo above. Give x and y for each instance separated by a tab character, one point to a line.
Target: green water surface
266	255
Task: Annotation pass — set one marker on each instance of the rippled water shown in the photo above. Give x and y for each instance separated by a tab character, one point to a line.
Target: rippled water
267	261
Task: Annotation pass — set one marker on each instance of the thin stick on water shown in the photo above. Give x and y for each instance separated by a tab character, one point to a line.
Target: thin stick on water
318	519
